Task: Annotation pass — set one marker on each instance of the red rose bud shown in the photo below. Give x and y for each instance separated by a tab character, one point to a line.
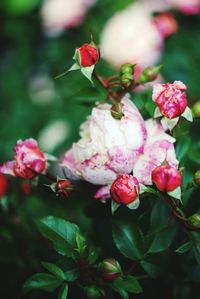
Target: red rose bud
64	187
166	24
170	98
88	55
125	189
166	178
3	185
194	220
196	109
197	178
149	74
110	269
116	111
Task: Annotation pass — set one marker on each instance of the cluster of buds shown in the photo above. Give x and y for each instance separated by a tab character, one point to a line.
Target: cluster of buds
126	75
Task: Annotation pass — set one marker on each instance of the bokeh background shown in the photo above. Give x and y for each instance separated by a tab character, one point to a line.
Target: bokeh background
34	104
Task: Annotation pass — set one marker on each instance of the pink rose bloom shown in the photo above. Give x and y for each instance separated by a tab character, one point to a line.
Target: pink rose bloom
60	14
28	160
107	147
158	148
189	7
131	36
170	98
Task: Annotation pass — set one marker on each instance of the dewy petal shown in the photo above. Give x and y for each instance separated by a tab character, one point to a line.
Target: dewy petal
8	168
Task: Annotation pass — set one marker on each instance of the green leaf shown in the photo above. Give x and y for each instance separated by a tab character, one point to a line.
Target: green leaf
114	206
159	215
61	232
163	239
152	270
134	205
43	281
128	239
182	147
184	247
54	269
81	243
187	114
176	194
63	291
87	72
128	283
123	293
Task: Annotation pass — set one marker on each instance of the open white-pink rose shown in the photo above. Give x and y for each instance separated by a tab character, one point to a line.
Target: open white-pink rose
107	147
158	148
60	14
131	36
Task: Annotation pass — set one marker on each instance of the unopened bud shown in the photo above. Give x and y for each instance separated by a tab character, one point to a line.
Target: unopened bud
149	74
110	269
196	109
126	74
64	187
126	68
116	111
93	292
197	177
194	220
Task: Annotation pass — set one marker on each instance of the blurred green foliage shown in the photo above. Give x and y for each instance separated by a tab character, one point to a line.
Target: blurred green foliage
26	54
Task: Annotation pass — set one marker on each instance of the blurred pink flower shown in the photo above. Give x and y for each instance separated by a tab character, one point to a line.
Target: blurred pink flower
130	36
60	14
107	147
28	160
189	7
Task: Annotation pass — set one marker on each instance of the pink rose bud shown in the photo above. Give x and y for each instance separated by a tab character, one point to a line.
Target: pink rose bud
170	98
110	269
28	160
166	178
88	55
3	185
125	189
166	24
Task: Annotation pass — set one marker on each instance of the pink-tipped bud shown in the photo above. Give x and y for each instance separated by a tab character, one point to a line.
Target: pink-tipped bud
170	98
166	24
110	269
88	55
197	177
125	189
3	185
166	178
